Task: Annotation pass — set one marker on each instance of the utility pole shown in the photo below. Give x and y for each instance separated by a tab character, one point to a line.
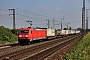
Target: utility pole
87	20
53	24
61	23
14	26
48	23
67	26
30	22
83	18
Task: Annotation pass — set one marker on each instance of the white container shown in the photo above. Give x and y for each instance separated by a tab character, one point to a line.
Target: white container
69	32
73	31
63	32
77	31
50	32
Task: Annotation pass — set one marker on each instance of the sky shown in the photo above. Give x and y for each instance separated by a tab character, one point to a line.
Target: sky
38	11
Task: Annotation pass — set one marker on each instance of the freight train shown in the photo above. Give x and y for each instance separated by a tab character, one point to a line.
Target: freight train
27	35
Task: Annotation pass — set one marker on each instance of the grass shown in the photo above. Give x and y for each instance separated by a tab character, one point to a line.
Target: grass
81	51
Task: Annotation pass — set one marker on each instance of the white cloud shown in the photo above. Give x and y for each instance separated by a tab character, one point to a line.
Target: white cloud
58	9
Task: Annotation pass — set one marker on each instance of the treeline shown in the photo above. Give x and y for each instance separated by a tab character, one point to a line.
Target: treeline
8	35
80	29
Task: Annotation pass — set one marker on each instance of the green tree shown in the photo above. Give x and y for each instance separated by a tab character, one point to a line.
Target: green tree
65	29
15	31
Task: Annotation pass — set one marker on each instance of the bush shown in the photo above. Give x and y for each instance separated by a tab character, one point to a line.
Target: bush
6	35
81	51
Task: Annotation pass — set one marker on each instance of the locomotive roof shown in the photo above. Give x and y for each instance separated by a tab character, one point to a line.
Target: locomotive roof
32	28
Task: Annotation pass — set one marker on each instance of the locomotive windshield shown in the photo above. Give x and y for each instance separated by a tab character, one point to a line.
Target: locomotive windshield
24	31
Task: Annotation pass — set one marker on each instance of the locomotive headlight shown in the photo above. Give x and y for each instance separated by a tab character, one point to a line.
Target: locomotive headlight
26	35
20	35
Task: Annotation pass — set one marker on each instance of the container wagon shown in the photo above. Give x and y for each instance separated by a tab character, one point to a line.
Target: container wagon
50	33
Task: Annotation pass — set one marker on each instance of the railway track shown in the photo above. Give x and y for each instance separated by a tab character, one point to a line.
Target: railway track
31	50
7	46
59	55
45	53
11	49
5	49
15	44
4	46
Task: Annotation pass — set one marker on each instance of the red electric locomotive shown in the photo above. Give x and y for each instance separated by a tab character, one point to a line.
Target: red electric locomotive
27	35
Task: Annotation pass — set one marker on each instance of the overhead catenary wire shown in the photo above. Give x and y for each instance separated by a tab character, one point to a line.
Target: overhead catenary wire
48	17
26	16
33	13
29	17
5	16
38	16
6	11
25	10
68	14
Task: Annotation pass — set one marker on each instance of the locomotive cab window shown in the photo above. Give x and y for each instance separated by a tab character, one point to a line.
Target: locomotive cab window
31	32
24	31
